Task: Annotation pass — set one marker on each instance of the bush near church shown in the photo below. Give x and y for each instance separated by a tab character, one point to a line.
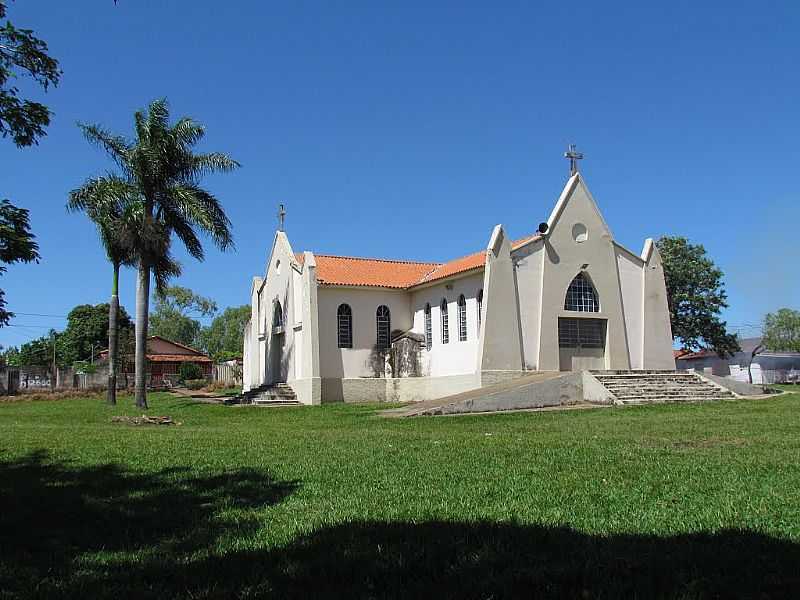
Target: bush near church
188	371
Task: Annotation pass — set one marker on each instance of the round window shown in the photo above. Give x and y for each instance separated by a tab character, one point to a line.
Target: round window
579	233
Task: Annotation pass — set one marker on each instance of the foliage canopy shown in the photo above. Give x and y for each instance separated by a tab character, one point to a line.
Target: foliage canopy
696	296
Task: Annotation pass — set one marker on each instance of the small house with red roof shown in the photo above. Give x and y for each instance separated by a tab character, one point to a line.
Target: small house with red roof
165	356
565	297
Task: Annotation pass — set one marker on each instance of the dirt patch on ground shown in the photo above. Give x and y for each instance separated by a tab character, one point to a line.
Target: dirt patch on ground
145	420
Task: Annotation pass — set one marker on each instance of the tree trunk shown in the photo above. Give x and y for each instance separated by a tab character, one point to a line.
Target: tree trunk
113	336
142	308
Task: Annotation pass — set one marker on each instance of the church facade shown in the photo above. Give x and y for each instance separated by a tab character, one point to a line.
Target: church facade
565	298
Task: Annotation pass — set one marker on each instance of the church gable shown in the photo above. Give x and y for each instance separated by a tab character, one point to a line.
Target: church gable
577	210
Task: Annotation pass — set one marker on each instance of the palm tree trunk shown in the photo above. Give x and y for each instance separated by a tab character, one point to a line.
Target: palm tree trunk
142	308
113	336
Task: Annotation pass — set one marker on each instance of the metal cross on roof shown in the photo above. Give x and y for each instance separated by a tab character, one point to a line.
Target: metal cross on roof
574	156
281	217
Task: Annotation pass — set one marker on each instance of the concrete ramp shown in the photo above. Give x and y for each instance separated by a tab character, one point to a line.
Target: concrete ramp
554	389
537	390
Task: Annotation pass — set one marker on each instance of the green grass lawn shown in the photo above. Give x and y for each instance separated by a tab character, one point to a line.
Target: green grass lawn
683	501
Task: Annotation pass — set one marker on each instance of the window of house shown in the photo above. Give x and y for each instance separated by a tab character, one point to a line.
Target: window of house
428	327
344	317
462	318
383	321
445	325
581	295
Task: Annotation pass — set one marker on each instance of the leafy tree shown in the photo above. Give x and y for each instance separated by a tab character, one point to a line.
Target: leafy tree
782	331
175	308
160	168
696	297
87	330
39	352
224	338
16	245
22	54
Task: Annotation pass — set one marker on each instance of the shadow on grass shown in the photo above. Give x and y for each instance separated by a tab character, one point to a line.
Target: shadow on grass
158	531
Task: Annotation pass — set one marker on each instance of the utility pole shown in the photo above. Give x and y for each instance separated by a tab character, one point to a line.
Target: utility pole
54	378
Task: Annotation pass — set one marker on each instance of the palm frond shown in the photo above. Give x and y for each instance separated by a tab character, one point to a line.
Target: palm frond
117	146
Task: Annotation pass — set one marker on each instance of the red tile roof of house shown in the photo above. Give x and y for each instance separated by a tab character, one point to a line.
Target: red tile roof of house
396	274
177	358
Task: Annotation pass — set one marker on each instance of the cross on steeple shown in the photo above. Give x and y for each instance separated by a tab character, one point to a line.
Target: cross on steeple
281	216
574	156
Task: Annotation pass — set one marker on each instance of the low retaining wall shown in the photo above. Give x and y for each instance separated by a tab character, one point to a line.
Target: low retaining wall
397	389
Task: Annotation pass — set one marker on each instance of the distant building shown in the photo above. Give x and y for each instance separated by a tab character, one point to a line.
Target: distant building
768	367
164	357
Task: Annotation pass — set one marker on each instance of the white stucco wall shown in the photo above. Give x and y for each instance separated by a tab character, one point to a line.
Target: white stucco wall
631	272
281	283
456	357
364	302
565	257
529	262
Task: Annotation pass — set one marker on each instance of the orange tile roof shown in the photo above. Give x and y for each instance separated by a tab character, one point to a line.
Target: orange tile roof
374	272
396	274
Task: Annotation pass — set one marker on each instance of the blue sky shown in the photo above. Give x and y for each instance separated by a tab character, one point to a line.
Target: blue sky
408	131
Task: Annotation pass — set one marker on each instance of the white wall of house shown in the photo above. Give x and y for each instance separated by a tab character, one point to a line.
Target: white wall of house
456	357
358	361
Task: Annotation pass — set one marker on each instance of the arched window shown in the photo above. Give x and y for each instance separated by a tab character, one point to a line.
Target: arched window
383	320
445	325
344	318
479	298
581	295
462	318
277	315
428	327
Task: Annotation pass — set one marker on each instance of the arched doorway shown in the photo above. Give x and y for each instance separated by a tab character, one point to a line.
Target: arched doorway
277	372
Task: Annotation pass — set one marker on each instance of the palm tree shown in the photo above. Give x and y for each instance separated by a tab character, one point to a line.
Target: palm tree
162	172
108	204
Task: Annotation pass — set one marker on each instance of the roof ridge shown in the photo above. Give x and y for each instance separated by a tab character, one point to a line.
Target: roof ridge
389	260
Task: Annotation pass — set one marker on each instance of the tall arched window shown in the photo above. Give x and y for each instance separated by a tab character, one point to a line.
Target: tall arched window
445	324
383	320
479	298
277	315
462	318
581	295
344	318
428	327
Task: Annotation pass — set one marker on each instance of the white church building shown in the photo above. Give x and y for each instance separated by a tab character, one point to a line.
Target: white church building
567	297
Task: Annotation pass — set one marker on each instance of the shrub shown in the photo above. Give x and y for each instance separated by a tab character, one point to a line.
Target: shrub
195	384
189	370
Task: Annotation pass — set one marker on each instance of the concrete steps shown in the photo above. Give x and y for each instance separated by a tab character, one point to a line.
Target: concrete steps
279	394
644	387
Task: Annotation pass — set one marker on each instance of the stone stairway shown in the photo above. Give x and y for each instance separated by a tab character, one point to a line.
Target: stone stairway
279	394
644	387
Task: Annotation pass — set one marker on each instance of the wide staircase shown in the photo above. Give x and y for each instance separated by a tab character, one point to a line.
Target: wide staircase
645	387
279	394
